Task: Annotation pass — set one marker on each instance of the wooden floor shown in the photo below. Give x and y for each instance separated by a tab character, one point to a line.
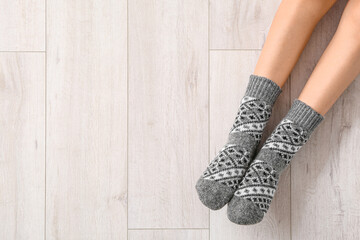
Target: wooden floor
111	110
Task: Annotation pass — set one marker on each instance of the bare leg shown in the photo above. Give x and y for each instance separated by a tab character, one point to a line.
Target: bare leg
336	69
339	64
290	30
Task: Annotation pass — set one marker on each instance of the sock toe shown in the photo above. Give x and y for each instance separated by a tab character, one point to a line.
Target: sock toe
213	194
244	212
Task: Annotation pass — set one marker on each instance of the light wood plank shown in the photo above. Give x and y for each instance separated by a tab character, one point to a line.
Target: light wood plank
168	114
169	234
240	24
22	25
86	112
325	173
229	72
22	145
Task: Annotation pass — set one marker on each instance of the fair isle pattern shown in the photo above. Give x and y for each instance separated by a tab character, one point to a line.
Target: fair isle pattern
229	166
286	140
259	184
252	116
260	181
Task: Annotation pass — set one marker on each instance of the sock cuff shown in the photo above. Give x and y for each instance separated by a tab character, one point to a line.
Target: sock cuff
262	88
303	115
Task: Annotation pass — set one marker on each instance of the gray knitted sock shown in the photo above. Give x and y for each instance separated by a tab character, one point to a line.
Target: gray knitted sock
256	190
219	181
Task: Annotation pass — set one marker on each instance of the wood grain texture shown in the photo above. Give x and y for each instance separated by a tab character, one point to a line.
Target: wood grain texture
169	234
86	195
240	24
325	173
22	25
63	139
168	115
229	74
22	145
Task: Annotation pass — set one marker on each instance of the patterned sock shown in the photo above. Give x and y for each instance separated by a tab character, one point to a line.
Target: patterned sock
219	181
256	190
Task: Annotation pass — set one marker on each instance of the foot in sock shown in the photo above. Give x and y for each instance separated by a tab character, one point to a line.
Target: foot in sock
220	180
256	190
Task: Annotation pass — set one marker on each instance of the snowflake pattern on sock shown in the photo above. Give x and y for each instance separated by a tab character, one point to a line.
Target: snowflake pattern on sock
230	165
260	181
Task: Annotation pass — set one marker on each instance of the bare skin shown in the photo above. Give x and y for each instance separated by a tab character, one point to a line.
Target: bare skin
288	35
338	66
290	30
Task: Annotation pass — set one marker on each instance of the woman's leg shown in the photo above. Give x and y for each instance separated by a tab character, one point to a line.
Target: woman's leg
288	35
339	64
290	30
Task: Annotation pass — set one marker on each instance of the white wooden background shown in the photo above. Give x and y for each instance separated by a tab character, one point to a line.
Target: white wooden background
111	110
